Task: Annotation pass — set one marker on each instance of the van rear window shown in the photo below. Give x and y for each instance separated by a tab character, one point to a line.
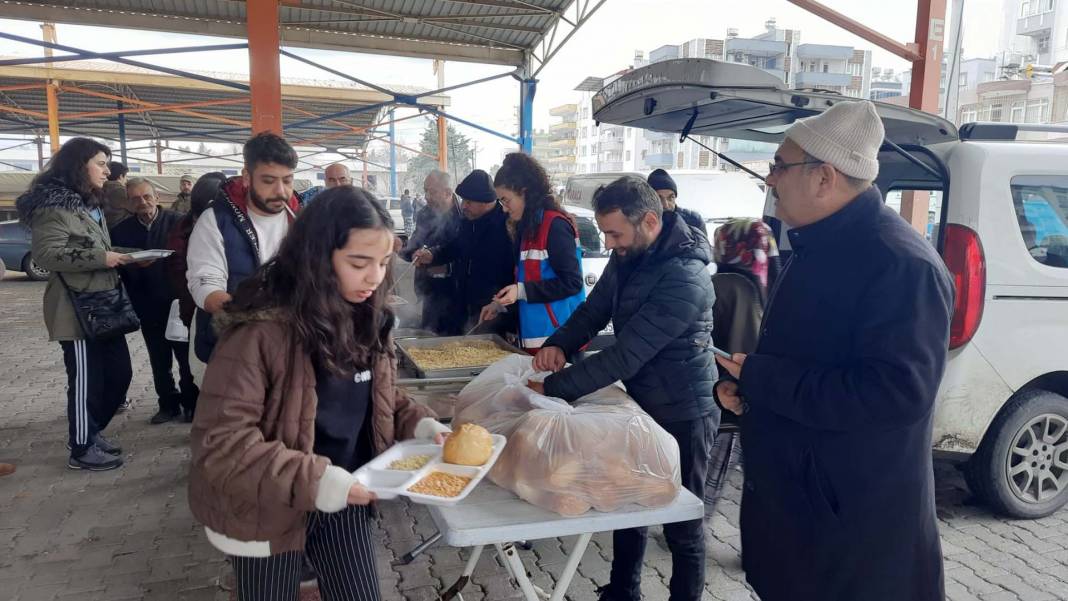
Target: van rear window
1041	206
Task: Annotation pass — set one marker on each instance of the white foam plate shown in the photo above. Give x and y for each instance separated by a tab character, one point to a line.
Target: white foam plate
145	255
389	484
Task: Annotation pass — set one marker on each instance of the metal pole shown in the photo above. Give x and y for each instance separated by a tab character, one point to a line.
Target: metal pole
392	155
925	91
122	131
48	32
953	64
40	154
527	89
443	130
265	79
159	158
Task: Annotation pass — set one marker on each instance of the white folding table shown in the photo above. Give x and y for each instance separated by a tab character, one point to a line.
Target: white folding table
494	516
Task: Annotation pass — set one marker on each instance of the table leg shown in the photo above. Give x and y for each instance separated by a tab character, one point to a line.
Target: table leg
573	560
511	559
469	568
410	556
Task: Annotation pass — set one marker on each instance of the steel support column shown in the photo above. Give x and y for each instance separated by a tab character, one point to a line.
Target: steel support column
122	131
925	91
527	89
443	144
159	158
40	154
392	154
265	77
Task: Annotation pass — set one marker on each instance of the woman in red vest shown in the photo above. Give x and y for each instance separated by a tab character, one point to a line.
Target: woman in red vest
548	284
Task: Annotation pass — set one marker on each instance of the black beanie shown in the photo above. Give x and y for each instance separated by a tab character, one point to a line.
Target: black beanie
477	186
660	180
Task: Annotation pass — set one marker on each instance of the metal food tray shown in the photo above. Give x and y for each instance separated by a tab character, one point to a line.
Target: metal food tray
456	372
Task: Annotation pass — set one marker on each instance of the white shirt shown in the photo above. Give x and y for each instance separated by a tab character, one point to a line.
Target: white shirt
206	257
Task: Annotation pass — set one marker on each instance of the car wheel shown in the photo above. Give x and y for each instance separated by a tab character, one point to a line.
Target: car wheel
32	269
1021	468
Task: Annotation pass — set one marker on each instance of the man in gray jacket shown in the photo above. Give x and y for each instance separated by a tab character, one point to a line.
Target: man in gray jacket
657	292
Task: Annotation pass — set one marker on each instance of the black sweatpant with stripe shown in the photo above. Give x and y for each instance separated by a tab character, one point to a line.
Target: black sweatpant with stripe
98	377
339	548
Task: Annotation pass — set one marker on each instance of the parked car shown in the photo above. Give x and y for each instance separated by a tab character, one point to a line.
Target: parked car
1001	226
15	250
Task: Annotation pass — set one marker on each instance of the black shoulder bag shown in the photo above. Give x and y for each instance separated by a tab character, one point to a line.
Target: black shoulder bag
105	314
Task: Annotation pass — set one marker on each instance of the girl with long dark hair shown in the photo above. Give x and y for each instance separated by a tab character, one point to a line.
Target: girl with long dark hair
71	240
548	284
300	391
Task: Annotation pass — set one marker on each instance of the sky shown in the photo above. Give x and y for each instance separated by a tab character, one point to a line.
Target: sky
605	45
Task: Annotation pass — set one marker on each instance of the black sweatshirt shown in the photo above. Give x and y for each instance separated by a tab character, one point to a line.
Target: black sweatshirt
342	418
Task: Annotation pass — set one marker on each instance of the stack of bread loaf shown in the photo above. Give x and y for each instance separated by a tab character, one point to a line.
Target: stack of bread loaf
603	452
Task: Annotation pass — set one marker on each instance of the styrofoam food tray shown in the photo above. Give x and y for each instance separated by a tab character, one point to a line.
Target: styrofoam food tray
388	484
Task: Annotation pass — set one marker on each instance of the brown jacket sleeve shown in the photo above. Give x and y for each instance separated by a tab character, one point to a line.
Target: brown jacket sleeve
248	366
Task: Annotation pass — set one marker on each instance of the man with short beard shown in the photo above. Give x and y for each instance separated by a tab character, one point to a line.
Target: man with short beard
242	229
656	292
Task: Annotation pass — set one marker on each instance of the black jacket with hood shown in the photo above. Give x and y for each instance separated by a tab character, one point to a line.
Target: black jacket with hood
660	305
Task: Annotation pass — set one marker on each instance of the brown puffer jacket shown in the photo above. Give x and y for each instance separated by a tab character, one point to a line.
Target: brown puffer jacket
254	476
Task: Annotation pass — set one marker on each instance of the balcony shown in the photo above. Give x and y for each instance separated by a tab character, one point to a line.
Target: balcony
815	79
564	110
611	144
1002	88
610	165
662	160
562	127
656	136
751	47
825	51
562	143
1035	25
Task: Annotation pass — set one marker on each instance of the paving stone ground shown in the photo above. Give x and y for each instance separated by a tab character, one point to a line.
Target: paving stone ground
128	534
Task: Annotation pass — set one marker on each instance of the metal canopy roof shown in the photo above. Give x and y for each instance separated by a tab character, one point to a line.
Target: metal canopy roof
222	114
505	32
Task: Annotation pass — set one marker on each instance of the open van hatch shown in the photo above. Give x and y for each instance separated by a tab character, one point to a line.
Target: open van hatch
734	100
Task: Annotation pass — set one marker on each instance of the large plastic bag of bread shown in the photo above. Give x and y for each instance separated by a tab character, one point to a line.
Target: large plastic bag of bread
603	452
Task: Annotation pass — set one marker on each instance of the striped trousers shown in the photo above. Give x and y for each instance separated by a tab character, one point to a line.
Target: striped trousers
339	548
98	377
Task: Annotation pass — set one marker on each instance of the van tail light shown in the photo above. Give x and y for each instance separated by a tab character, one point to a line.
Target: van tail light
963	254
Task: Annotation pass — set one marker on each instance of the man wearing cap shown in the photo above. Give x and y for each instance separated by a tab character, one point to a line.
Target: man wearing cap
838	502
482	253
183	202
668	192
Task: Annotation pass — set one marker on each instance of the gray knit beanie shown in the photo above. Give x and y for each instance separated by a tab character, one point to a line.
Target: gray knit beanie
846	136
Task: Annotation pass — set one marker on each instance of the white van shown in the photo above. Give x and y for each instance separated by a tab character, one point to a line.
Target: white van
999	208
716	195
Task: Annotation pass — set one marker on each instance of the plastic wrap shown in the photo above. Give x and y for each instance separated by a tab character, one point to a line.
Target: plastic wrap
603	452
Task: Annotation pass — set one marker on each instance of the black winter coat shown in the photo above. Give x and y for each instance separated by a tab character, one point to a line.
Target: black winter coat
692	219
838	502
662	316
149	287
482	258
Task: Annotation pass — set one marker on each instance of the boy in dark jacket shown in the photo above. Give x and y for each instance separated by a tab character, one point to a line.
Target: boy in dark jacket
151	295
657	292
838	503
668	191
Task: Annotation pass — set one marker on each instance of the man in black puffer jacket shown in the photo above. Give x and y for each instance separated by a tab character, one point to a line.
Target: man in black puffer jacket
658	294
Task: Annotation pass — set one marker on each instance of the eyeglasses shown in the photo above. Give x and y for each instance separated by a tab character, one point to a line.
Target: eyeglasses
780	168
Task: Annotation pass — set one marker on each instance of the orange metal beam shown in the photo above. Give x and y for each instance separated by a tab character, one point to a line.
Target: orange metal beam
48	32
265	79
157	107
199	115
14	109
23	86
905	51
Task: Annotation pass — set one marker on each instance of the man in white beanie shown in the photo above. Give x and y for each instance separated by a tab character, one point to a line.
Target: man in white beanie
838	503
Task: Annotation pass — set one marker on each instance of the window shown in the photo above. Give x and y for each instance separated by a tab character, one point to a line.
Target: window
963	81
1017	115
988	76
1040	203
628	155
826	67
1025	9
703	159
590	238
995	113
1043	44
1037	111
681	160
934	208
968	115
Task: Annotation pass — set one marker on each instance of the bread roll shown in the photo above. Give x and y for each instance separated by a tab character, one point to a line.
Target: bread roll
469	445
